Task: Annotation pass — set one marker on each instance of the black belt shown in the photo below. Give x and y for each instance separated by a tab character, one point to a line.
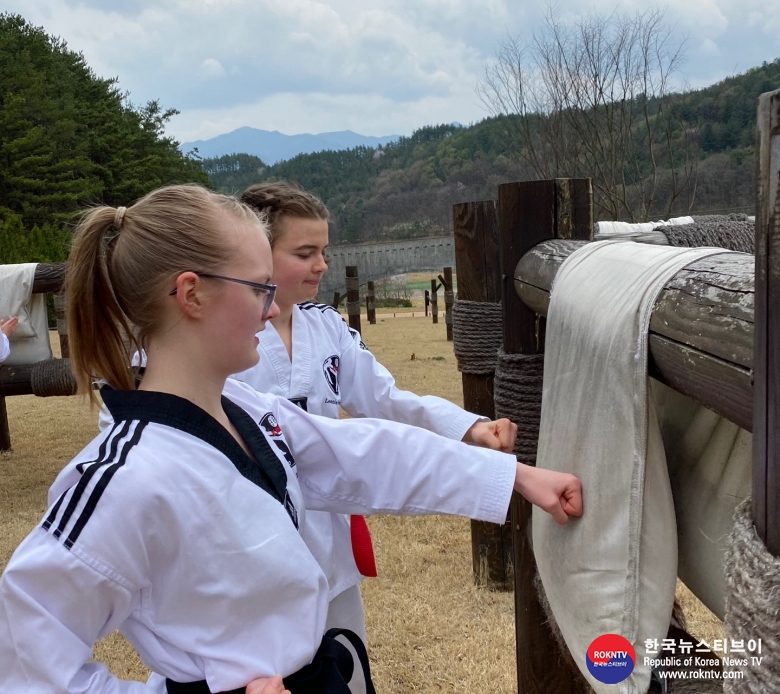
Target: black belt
328	673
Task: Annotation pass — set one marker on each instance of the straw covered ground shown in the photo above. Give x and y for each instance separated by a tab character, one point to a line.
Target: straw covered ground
430	629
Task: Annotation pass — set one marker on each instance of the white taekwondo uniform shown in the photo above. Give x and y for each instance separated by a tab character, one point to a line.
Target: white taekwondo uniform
331	368
5	347
152	529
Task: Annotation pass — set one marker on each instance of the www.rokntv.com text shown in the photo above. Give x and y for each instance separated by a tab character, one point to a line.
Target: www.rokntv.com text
704	663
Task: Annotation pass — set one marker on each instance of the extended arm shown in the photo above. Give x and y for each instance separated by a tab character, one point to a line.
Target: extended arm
367	466
368	389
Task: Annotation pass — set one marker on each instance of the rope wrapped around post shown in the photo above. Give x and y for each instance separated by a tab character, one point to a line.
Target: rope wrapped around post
518	396
477	335
752	593
735	233
517	389
52	377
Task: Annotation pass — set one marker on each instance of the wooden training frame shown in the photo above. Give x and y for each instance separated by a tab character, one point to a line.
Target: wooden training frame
714	336
17	380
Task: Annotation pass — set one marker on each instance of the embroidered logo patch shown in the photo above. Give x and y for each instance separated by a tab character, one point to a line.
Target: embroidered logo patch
330	367
269	423
610	658
356	336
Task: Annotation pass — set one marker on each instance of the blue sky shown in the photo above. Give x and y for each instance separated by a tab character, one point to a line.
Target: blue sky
377	68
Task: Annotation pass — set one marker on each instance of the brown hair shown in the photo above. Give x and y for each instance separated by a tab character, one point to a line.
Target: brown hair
114	285
277	199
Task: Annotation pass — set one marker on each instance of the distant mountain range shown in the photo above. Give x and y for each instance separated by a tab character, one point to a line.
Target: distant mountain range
273	146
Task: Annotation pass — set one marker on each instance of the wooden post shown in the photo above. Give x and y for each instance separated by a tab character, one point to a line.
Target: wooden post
336	299
766	360
449	299
370	305
427	301
62	325
434	302
479	279
5	432
353	297
528	213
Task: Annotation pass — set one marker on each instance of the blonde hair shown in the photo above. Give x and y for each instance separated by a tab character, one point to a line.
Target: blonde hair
115	285
278	199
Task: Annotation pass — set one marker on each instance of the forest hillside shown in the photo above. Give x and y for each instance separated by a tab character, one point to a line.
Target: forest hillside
407	188
69	139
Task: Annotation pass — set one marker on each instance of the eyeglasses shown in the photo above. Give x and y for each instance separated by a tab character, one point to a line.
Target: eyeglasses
268	289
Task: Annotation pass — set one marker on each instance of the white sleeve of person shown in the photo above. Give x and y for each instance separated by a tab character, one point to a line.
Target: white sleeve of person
368	466
614	570
368	390
53	606
5	347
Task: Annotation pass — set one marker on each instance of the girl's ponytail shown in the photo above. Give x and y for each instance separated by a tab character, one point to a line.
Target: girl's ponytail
98	328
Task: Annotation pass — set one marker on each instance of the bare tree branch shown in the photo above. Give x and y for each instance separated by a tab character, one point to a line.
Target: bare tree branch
594	99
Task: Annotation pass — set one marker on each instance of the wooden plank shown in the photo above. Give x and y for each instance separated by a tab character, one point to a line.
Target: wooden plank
528	213
708	305
720	385
766	415
574	208
477	267
701	330
526	217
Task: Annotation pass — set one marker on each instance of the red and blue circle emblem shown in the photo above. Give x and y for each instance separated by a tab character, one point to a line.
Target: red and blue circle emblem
611	658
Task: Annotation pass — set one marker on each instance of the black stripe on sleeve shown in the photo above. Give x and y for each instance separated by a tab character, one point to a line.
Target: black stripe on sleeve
101	485
89	472
80	467
54	511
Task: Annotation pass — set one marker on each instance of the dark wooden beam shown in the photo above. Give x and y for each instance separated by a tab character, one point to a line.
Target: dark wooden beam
449	299
766	360
370	303
479	279
353	297
531	212
701	330
18	380
5	432
434	301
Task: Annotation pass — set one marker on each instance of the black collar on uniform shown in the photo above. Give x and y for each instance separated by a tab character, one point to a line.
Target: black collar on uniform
266	471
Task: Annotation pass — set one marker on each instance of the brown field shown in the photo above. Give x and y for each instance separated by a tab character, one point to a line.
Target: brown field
430	629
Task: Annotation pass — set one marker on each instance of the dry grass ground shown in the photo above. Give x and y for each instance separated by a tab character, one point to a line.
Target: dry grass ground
430	629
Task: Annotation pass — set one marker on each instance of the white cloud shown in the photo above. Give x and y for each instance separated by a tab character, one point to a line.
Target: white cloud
709	47
212	68
374	66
